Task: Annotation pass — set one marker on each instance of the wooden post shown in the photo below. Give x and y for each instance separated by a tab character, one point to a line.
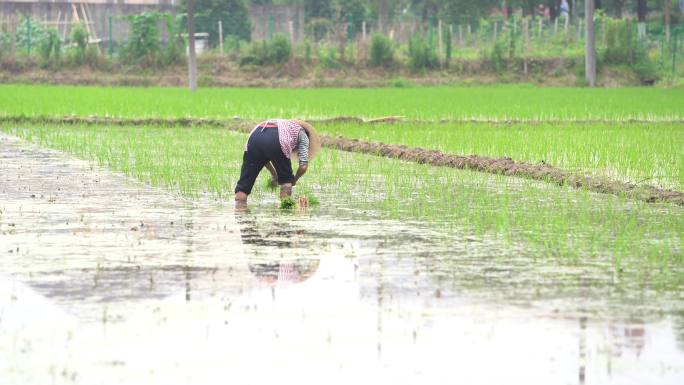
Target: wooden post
460	35
290	29
496	27
220	25
590	44
192	55
363	30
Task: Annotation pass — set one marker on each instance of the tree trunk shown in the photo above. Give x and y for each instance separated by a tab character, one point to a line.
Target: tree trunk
590	43
192	56
667	20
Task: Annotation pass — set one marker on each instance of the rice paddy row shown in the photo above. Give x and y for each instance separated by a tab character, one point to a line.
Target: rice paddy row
639	153
430	103
203	163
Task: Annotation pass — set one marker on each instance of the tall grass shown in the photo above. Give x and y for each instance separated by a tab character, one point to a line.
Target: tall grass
497	102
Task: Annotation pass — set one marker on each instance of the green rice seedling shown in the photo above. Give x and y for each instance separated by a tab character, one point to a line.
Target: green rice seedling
287	203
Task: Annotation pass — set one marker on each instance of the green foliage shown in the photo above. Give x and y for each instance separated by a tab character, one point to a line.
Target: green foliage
143	46
623	48
276	51
30	34
279	49
50	48
400	83
288	203
496	57
327	58
174	52
621	42
381	51
421	54
79	41
5	44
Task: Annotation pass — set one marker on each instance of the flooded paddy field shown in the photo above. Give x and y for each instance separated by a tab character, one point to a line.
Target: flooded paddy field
143	272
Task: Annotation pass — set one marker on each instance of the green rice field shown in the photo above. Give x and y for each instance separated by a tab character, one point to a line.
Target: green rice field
496	102
399	268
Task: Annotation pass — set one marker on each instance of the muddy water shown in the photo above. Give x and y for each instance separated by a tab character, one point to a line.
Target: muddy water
105	280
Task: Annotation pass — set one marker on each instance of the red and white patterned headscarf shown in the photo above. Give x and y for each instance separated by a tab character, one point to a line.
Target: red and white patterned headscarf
288	133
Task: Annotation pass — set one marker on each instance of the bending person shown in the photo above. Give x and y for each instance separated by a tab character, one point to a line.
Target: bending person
272	144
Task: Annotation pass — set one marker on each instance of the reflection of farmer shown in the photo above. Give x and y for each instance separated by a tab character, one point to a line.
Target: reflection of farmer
271	144
282	267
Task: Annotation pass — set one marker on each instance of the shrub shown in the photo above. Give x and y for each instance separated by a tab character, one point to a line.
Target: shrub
50	48
496	57
143	46
174	52
79	39
422	54
30	34
327	58
279	49
621	42
5	44
381	51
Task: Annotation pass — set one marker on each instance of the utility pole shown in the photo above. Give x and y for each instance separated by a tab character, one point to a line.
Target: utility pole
590	43
192	56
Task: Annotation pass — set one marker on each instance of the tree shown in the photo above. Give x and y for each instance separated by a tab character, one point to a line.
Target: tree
590	43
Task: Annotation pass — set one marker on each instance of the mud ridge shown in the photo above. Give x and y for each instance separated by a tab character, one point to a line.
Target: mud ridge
72	119
502	166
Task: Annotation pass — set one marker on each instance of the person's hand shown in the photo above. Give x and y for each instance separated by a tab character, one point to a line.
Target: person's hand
303	201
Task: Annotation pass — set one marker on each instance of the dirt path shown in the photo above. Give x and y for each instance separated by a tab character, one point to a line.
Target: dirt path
504	166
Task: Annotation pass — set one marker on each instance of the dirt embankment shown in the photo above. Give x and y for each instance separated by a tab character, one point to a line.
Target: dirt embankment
224	71
503	166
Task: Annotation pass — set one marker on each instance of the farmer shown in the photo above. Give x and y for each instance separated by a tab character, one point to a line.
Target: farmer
272	144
